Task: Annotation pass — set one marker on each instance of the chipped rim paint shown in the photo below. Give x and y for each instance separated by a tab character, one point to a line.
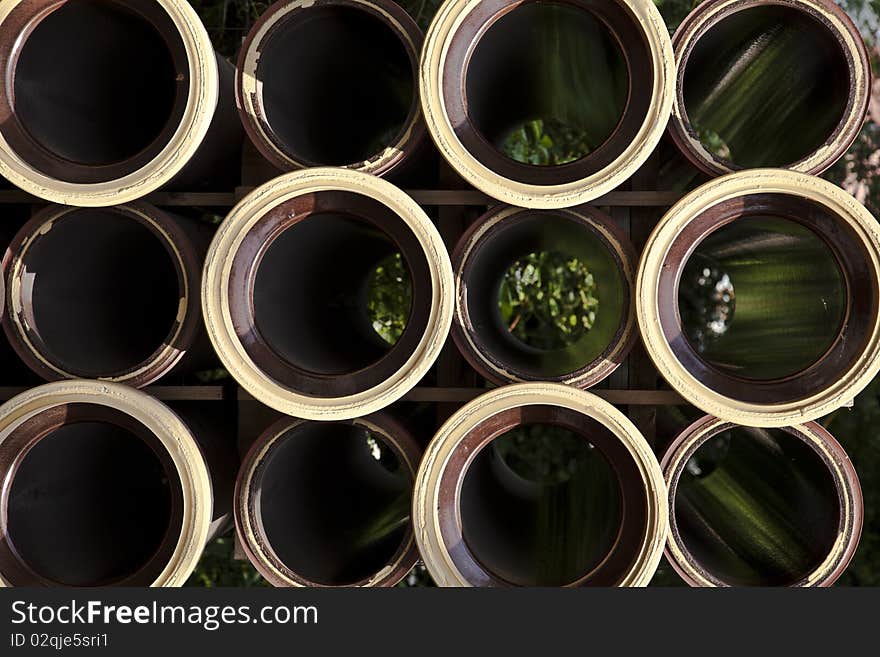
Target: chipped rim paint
216	304
656	259
181	147
828	14
249	91
831	453
427	501
181	334
253	537
450	18
165	425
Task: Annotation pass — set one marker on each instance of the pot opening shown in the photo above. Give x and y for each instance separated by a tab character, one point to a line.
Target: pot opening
332	294
757	507
337	84
765	86
100	292
90	504
96	85
541	506
547	83
545	295
334	502
762	298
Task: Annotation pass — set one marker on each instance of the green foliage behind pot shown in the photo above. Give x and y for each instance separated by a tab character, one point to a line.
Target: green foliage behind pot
548	301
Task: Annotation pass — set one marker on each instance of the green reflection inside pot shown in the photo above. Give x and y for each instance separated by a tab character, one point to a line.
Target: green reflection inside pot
765	87
757	507
762	298
540	506
547	83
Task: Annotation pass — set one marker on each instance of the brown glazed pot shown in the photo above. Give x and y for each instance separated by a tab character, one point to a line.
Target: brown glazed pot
779	472
80	127
104	485
284	293
850	235
458	30
304	486
314	77
106	293
502	236
848	77
438	508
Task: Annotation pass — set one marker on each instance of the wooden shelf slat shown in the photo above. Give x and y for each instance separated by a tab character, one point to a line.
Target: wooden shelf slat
462	395
186	393
438	197
628	397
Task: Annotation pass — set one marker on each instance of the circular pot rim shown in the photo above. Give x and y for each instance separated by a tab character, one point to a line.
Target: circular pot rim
707	15
255	543
197	116
654	262
182	332
450	16
614	240
216	305
166	426
248	90
818	438
426	500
